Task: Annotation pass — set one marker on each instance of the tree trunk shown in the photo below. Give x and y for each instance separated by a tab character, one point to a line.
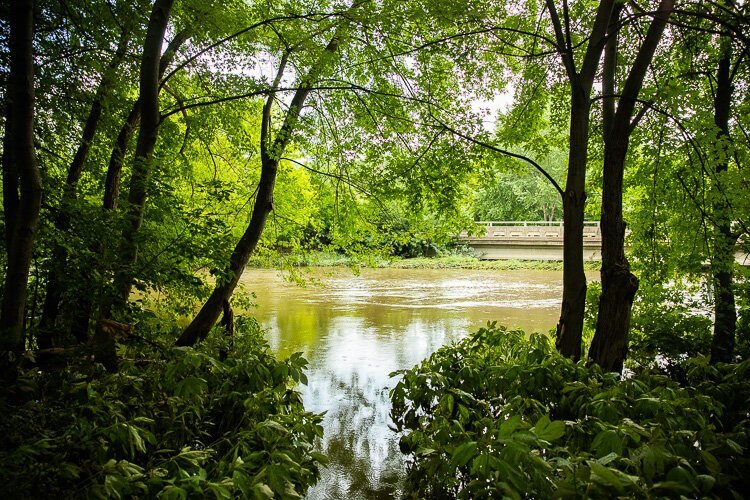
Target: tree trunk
201	325
114	170
10	177
117	158
23	162
85	303
147	133
227	324
198	329
619	285
722	261
570	326
55	284
609	346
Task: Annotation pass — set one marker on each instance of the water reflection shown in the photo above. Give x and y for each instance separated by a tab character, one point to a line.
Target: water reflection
355	330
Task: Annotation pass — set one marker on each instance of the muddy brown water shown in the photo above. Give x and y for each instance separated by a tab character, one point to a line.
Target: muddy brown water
356	329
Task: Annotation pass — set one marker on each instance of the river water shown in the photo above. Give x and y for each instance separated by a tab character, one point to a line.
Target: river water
356	329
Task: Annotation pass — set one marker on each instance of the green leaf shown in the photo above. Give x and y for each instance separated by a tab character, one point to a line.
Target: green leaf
606	442
462	454
422	451
681	475
548	430
262	490
608	477
319	457
480	463
508	427
190	386
712	464
607	458
272	424
736	448
446	403
290	492
172	492
705	482
672	488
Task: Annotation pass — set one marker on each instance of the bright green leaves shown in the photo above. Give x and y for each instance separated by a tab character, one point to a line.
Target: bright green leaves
547	430
502	414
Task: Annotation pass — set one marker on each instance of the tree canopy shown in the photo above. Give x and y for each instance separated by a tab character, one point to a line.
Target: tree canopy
156	148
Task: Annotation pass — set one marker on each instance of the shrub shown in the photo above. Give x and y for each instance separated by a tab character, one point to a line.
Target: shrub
182	424
499	414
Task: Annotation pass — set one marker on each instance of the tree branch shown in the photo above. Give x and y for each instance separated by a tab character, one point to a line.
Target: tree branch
319	16
483	144
265	126
566	55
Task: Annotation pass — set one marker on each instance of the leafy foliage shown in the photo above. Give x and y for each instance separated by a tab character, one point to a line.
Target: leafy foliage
185	424
500	414
521	195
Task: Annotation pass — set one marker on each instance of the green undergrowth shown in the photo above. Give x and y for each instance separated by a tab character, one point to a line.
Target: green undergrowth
175	423
500	414
328	259
453	262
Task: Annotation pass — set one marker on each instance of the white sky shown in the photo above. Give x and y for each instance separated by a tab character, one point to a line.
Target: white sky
491	108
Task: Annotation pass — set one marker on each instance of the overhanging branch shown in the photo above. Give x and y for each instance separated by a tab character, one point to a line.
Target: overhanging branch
491	147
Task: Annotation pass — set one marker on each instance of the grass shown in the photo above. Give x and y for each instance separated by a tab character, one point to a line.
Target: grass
330	259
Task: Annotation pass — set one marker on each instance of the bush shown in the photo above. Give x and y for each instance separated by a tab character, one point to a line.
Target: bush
182	424
499	414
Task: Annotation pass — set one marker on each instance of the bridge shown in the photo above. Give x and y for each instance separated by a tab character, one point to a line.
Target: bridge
530	240
542	240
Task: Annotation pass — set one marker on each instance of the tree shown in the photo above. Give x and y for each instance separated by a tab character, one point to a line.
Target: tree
147	135
580	80
688	175
271	150
75	170
521	194
724	237
84	305
619	285
22	185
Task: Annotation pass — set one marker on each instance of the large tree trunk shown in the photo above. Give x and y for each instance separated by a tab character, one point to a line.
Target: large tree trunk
570	326
10	177
147	134
201	325
20	130
722	261
54	288
619	285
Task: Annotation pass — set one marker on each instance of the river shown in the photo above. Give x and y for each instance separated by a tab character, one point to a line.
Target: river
356	329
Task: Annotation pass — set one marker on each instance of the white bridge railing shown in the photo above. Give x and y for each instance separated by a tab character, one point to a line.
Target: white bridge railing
530	230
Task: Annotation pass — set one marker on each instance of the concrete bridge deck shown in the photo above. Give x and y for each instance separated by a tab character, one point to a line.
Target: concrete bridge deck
539	240
529	240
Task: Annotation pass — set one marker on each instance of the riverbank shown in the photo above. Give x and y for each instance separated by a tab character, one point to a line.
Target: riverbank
326	259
